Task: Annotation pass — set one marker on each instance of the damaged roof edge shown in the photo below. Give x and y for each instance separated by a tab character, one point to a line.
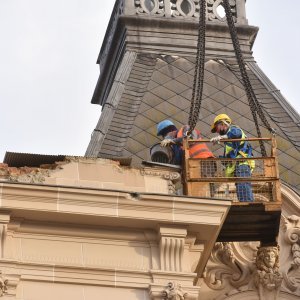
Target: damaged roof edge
18	160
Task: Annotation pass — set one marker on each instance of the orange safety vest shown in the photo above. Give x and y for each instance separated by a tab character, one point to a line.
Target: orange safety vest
197	150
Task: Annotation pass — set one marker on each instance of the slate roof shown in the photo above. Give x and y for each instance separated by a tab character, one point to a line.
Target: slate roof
160	87
16	159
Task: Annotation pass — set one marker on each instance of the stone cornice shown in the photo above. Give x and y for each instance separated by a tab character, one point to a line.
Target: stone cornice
155	35
143	209
55	273
174	217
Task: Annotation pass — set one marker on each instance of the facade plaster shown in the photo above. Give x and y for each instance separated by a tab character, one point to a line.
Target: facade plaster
66	237
91	226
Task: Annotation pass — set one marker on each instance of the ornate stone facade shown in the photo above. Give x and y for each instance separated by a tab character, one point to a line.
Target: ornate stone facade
166	251
151	7
267	277
183	8
3	286
174	292
213	7
245	270
94	227
290	254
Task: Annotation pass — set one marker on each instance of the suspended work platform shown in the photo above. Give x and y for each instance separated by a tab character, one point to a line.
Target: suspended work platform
246	221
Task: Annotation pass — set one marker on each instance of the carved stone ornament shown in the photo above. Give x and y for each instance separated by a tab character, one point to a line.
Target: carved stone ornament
174	292
172	177
150	7
3	286
185	8
33	177
290	256
212	7
225	269
8	285
267	277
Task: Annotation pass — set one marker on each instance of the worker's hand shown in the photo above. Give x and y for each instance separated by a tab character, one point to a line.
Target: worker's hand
217	139
167	142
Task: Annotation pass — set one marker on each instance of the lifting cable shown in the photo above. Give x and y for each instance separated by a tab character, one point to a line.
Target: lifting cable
199	69
255	107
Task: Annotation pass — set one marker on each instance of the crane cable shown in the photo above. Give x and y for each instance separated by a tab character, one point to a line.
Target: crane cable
199	69
255	107
196	100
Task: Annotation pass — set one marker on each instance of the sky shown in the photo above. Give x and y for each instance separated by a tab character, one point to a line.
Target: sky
48	70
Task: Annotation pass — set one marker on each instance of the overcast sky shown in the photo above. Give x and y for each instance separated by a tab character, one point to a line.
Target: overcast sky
48	52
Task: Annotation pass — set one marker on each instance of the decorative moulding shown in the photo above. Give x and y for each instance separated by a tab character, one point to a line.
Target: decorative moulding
171	177
173	290
172	241
213	13
188	9
150	7
226	269
290	254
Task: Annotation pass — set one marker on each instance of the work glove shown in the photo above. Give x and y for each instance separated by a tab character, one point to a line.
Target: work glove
217	139
167	142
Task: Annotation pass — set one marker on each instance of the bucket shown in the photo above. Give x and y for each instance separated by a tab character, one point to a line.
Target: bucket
161	154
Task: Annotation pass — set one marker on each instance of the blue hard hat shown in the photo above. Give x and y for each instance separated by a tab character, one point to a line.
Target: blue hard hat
163	125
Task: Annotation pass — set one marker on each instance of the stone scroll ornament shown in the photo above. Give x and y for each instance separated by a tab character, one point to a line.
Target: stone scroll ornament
150	7
290	256
226	269
267	277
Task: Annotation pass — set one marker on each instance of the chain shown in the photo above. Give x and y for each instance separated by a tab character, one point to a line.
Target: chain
255	106
196	100
199	69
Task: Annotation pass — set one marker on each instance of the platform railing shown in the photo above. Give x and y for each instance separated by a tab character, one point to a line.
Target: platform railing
211	177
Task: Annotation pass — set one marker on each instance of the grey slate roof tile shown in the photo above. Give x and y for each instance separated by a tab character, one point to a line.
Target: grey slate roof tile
171	71
163	92
156	115
176	86
162	88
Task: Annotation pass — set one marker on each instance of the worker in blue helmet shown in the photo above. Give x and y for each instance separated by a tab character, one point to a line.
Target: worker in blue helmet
169	131
174	139
164	127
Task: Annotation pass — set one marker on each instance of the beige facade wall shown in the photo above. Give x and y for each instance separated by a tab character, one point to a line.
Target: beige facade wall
90	228
63	237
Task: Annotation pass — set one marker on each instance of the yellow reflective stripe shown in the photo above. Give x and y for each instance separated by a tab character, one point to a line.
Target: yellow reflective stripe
243	154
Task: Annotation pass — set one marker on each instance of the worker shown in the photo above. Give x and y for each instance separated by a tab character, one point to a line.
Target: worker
174	138
241	149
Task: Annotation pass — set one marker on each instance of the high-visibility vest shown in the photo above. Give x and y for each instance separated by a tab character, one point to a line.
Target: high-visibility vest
196	150
241	149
